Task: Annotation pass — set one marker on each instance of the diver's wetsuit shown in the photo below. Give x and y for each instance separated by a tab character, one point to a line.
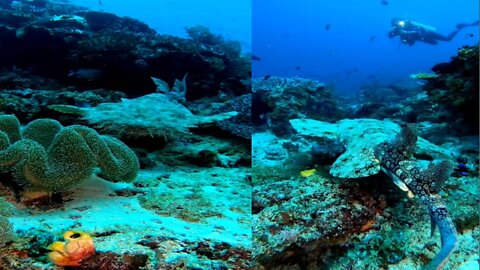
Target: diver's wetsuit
410	32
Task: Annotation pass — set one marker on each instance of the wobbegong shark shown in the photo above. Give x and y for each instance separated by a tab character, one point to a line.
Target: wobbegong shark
395	158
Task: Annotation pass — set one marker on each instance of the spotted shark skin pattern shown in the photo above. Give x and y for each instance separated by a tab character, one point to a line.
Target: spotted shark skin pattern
396	160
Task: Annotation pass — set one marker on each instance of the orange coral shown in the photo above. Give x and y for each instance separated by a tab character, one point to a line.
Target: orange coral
77	247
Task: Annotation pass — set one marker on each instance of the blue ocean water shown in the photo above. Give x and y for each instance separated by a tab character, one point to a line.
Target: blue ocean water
231	19
345	43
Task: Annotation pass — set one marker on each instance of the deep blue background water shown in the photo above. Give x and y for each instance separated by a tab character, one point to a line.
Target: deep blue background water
289	34
231	18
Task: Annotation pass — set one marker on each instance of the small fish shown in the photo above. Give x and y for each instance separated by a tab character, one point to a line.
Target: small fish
100	3
298	68
307	173
372	38
87	74
266	77
462	169
385	3
327	27
256	58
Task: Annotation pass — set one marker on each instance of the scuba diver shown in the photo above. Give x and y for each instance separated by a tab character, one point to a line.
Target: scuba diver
410	32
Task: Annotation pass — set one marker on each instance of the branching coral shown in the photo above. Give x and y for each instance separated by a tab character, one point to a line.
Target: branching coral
53	158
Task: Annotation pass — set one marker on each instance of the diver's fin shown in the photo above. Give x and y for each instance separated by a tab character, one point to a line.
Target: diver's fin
462	25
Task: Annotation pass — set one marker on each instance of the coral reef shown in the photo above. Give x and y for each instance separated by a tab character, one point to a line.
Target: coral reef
403	102
113	261
299	223
449	94
44	155
61	45
455	89
188	207
241	124
276	100
28	104
127	234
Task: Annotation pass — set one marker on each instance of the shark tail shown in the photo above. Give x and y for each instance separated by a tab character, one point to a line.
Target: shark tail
448	234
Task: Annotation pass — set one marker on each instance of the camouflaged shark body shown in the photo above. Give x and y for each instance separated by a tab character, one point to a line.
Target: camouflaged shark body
395	158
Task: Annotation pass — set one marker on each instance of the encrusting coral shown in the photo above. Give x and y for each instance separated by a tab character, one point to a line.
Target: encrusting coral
47	156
